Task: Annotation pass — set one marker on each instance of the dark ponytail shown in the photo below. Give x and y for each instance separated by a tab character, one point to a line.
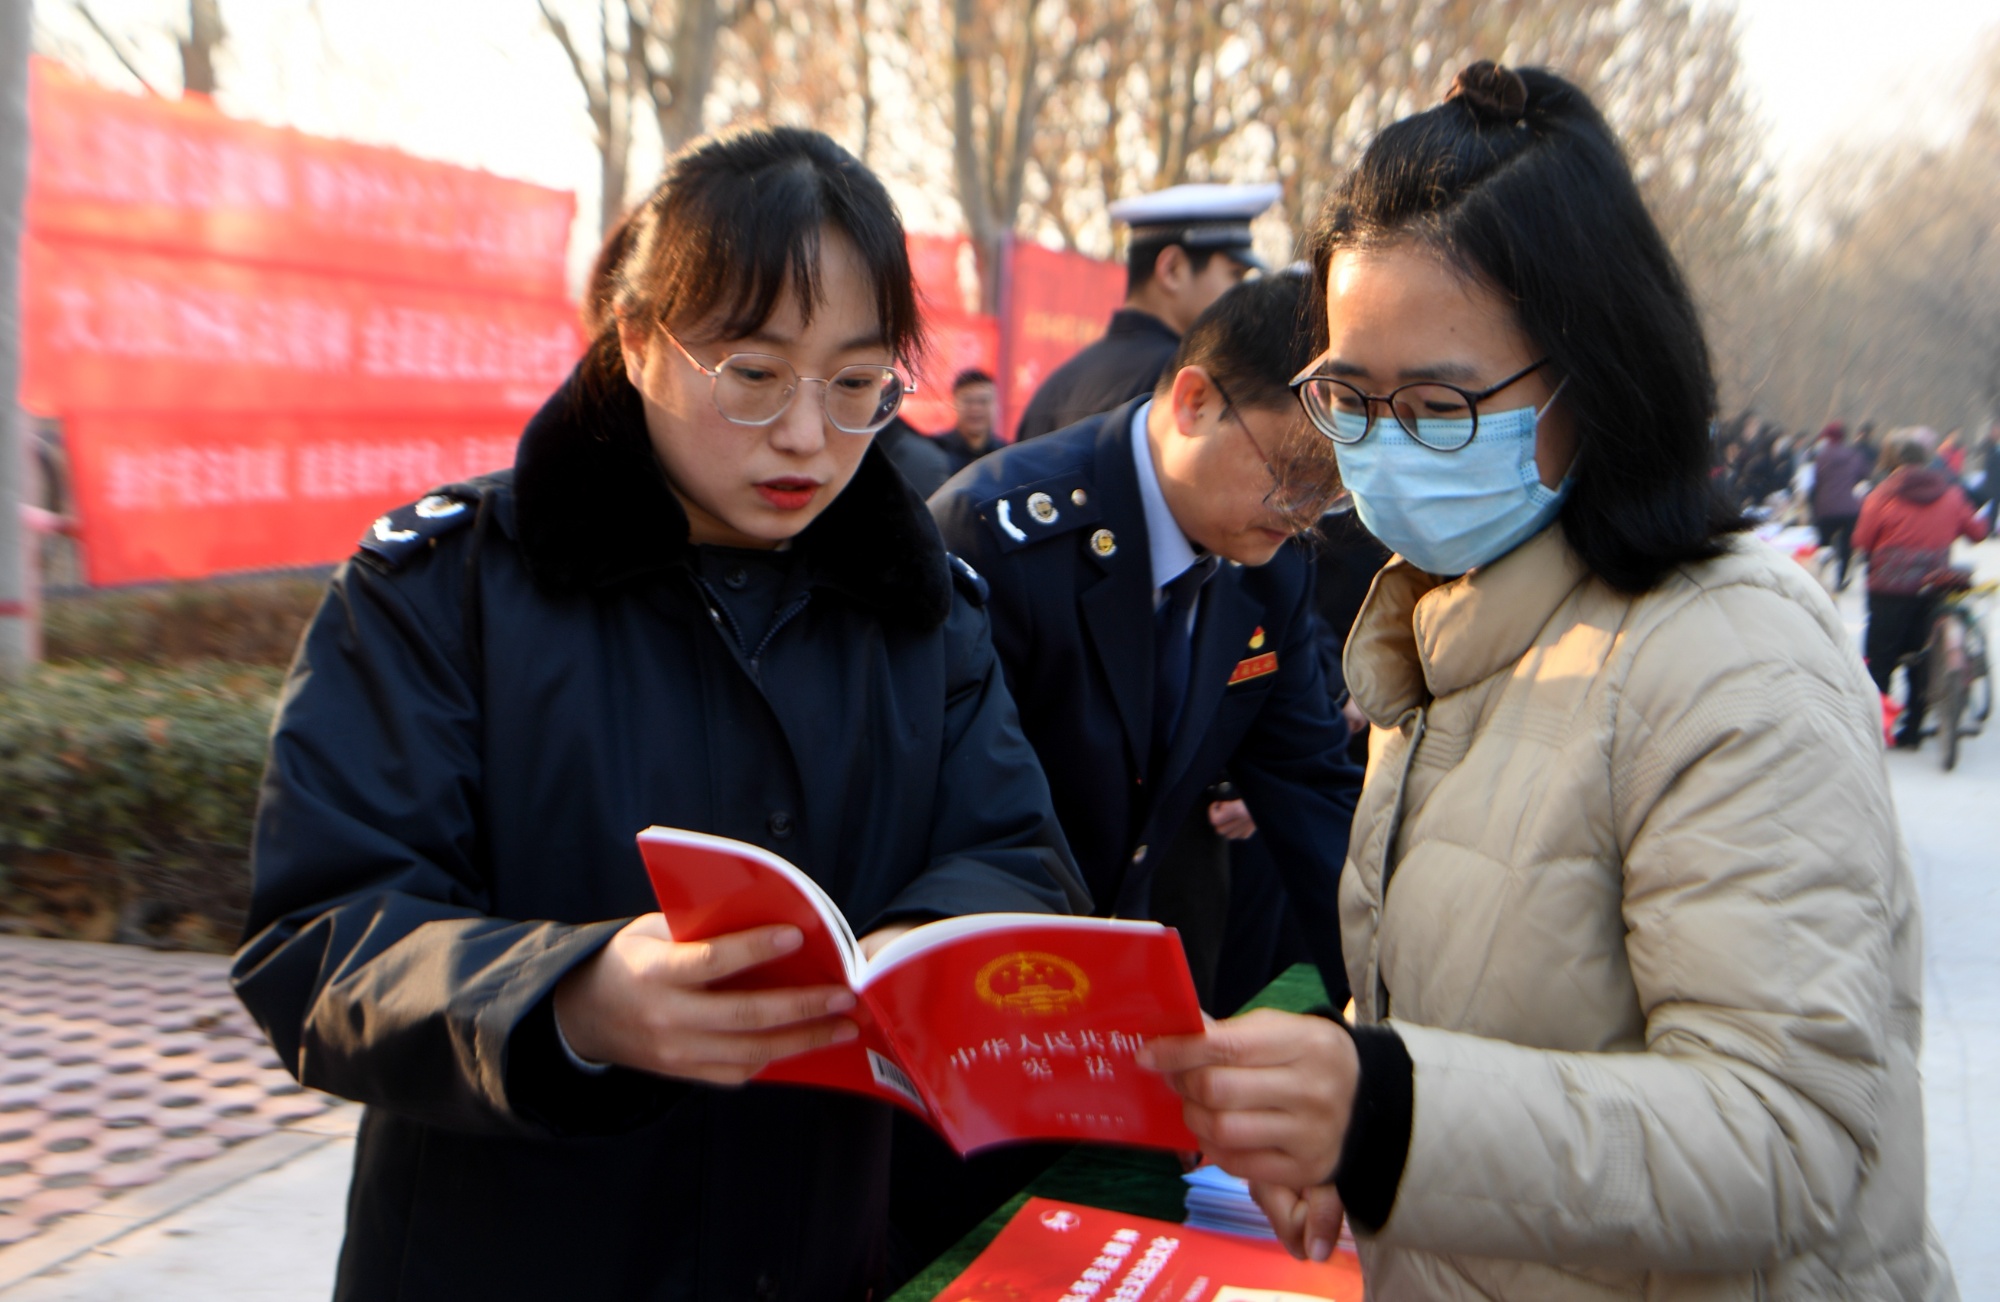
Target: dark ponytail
1521	183
734	222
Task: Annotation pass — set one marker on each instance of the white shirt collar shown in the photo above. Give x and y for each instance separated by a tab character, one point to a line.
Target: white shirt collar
1171	552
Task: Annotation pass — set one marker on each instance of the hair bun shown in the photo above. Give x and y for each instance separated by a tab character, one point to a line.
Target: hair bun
1493	93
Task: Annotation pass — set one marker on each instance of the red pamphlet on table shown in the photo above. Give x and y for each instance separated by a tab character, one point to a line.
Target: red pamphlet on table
1069	1253
992	1027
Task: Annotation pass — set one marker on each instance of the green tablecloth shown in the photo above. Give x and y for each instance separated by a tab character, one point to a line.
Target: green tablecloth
1141	1182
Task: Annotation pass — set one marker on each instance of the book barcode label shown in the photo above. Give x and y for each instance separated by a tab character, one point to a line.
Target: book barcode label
890	1075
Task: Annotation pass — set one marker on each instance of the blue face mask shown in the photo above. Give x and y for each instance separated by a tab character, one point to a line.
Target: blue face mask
1449	512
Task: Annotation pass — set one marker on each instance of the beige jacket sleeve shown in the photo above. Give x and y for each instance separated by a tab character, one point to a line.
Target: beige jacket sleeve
1761	900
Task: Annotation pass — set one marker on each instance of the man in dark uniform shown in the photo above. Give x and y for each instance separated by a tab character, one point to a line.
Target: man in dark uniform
1155	624
1264	936
1189	245
1086	537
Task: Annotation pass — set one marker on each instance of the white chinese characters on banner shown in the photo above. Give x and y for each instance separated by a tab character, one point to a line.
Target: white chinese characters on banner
132	316
244	474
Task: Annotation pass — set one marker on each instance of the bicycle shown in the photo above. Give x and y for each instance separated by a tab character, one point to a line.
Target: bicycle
1960	686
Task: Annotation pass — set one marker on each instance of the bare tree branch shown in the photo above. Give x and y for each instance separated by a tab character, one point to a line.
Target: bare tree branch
112	44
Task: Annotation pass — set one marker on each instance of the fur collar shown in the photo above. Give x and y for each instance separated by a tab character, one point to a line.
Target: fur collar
593	511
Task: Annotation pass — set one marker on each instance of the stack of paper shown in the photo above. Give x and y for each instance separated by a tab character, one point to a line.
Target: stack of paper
1217	1200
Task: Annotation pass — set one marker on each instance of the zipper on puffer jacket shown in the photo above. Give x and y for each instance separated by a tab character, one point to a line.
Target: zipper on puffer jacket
720	615
1417	720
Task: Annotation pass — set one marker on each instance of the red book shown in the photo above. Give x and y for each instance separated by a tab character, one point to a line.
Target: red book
1063	1252
992	1027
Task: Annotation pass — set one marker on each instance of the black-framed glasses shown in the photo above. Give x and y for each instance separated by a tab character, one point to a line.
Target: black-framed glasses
1442	417
756	388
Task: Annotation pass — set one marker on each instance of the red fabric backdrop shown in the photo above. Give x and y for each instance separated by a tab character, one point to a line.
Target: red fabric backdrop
1056	304
961	338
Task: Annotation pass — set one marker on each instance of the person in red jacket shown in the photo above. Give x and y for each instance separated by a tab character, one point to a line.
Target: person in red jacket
1907	526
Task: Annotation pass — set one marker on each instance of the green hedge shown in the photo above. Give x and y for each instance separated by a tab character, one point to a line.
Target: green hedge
247	621
145	776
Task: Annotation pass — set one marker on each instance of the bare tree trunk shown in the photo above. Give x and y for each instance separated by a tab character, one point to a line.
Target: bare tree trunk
607	95
981	225
615	131
864	78
205	36
19	631
680	91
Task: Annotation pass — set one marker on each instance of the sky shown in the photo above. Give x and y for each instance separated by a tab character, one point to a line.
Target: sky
483	84
1827	72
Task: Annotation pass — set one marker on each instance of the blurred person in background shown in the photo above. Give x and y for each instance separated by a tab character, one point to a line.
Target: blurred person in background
977	400
1840	472
701	598
1952	453
1632	936
1766	467
1907	528
1983	483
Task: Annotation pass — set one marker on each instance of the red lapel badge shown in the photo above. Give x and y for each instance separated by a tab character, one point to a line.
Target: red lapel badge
1255	666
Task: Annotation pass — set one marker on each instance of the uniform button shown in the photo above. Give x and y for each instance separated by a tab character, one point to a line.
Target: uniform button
1139	854
780	824
736	580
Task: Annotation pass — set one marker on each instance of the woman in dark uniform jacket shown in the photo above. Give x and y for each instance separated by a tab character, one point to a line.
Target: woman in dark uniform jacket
699	599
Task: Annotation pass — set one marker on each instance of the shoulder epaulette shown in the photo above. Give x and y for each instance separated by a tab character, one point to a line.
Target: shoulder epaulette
394	538
1031	512
971	583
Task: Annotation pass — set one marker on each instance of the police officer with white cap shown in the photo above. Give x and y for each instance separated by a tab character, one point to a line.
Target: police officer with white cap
1189	244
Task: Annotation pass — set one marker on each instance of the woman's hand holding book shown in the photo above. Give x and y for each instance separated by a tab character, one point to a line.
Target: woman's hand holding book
1269	1095
642	1002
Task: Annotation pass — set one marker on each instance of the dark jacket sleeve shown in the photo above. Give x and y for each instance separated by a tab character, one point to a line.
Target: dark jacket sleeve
1293	771
995	843
372	963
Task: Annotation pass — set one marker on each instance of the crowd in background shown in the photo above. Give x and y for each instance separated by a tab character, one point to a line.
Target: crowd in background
1766	468
1900	498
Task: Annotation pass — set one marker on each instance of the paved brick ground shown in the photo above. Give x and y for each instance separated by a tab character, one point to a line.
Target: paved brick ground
118	1065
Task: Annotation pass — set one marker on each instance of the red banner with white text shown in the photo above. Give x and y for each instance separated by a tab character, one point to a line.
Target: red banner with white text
258	340
179	176
115	329
961	337
177	496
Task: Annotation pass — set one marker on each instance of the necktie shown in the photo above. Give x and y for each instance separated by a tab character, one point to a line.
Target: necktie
1173	653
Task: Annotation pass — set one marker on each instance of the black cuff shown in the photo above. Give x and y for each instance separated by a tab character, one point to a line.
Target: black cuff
1378	1130
1378	1134
546	1089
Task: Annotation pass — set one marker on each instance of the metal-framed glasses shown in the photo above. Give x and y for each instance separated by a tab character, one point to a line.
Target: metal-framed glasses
1442	417
756	388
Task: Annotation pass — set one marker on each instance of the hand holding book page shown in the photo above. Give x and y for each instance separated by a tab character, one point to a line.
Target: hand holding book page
992	1027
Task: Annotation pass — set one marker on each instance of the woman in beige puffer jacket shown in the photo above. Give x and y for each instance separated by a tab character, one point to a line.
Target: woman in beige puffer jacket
1629	923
